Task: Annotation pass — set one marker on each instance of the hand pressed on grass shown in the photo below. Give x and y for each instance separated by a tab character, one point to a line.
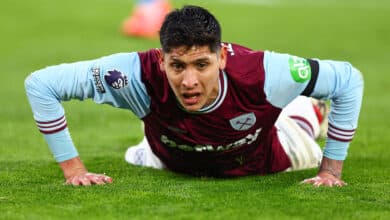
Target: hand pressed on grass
328	175
87	179
324	179
76	174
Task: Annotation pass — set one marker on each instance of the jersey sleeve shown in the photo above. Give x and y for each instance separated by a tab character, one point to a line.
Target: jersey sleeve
289	76
113	80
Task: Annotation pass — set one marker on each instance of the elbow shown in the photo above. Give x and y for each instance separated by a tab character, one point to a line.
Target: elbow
28	83
32	84
356	80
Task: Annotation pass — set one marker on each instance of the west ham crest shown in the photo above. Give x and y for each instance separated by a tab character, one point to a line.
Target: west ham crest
243	122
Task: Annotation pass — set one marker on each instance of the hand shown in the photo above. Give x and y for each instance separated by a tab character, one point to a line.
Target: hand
324	179
87	179
76	174
328	175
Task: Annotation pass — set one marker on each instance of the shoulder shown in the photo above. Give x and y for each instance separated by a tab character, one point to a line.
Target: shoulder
152	76
243	60
150	67
149	60
244	63
236	50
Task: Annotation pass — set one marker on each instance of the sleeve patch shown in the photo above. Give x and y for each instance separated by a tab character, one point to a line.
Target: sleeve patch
116	79
300	69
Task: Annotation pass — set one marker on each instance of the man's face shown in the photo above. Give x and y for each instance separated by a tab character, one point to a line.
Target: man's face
193	74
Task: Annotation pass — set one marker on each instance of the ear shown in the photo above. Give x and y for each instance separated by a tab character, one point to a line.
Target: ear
222	58
160	55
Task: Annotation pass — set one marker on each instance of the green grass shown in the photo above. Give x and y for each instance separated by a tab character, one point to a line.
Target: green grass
38	33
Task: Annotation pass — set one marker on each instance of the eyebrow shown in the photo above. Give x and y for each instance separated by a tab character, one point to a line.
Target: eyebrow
202	59
205	59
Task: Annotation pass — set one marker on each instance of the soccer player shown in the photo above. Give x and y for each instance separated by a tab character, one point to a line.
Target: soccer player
209	108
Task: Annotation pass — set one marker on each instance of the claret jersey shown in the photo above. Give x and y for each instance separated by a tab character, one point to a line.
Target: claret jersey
233	136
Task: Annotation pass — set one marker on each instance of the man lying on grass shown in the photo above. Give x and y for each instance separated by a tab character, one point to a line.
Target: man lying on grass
209	108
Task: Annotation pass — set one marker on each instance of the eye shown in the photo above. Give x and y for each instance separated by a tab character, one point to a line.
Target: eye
202	65
177	66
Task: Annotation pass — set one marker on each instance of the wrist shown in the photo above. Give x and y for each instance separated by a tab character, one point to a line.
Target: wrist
73	167
331	171
332	167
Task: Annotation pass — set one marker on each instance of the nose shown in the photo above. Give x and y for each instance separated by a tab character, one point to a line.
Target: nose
190	78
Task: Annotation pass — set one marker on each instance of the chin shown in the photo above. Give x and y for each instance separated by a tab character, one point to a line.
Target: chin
192	108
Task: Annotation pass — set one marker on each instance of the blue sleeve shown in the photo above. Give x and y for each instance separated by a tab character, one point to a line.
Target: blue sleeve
280	87
114	80
286	77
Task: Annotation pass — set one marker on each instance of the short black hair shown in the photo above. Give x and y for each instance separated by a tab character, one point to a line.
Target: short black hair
190	26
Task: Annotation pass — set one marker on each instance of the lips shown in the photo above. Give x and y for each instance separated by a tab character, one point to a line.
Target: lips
191	98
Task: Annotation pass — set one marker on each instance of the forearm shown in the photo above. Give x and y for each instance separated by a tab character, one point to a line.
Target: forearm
45	89
343	85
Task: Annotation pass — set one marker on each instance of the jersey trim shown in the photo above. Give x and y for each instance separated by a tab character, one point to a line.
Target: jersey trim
50	127
221	95
340	134
314	66
304	124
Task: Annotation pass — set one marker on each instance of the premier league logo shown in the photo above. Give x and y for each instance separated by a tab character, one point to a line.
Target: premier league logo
243	122
116	79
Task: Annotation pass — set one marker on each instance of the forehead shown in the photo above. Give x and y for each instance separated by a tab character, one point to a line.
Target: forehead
193	52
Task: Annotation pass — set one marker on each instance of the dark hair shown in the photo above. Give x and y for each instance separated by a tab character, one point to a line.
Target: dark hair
190	26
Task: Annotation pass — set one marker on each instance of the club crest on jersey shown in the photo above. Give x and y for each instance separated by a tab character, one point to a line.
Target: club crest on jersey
116	79
243	122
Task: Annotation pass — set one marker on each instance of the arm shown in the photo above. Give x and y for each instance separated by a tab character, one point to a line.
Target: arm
343	85
95	79
337	81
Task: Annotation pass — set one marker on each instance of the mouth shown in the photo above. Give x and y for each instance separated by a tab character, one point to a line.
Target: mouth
191	98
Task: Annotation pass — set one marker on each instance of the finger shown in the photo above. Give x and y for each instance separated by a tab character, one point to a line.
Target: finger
340	183
305	181
310	180
337	183
317	184
103	178
98	181
95	179
71	181
84	181
75	181
328	182
107	179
